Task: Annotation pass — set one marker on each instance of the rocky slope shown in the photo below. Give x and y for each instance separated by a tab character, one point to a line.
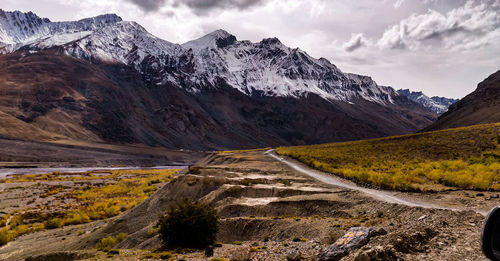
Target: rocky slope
480	106
437	104
104	79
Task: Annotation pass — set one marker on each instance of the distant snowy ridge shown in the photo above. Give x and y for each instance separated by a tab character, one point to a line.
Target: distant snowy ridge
264	68
18	29
437	104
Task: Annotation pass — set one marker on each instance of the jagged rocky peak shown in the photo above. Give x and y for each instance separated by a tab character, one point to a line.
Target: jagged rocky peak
18	28
125	42
89	24
216	39
270	42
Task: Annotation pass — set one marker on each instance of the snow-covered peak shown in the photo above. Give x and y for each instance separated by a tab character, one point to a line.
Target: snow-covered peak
18	29
125	42
87	24
270	68
437	104
265	68
215	39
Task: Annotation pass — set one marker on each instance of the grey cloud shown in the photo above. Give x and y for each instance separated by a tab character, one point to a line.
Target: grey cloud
470	22
148	5
448	32
357	41
199	7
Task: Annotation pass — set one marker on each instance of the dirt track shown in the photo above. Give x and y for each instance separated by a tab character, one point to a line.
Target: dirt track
382	195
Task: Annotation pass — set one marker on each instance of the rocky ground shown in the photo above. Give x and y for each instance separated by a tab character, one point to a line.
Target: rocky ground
272	212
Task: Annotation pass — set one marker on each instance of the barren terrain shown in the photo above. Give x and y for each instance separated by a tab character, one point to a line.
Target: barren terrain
270	210
69	153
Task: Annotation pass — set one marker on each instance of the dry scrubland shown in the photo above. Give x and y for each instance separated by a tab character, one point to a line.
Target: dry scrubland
91	196
268	211
466	158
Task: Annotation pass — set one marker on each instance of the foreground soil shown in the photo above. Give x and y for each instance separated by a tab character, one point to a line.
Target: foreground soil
270	211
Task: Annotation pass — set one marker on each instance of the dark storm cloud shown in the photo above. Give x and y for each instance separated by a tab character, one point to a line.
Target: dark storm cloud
199	7
148	5
202	6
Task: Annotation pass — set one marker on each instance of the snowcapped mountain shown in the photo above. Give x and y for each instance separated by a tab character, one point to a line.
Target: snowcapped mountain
437	104
271	68
18	29
211	92
265	68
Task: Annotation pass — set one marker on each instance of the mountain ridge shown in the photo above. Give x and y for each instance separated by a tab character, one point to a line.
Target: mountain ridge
107	30
212	92
480	106
437	104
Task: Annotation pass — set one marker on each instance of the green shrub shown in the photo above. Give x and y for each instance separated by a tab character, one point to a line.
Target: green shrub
106	243
5	237
121	237
153	230
53	223
189	224
3	220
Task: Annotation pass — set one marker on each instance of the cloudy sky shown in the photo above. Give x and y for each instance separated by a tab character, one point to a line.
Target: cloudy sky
442	47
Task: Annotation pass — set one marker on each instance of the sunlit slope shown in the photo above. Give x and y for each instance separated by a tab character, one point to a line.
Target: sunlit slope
467	157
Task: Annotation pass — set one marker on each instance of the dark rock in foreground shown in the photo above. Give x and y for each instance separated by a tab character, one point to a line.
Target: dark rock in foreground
354	238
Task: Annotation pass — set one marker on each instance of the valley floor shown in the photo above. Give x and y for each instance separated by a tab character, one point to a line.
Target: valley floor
270	211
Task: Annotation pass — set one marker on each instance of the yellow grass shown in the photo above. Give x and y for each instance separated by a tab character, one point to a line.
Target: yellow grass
467	157
127	189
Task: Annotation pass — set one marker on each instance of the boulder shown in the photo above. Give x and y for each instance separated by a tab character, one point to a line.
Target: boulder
354	238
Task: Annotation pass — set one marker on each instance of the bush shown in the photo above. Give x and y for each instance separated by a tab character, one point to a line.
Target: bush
4	237
189	224
109	242
53	223
152	230
106	243
121	237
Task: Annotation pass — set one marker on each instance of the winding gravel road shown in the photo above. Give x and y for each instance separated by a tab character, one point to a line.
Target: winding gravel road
382	195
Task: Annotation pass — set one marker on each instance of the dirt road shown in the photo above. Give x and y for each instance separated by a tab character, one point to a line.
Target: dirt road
382	195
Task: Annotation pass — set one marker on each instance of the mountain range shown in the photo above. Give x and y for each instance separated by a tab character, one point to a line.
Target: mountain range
480	106
437	104
103	79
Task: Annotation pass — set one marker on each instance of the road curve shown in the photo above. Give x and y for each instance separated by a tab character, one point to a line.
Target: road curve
382	195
